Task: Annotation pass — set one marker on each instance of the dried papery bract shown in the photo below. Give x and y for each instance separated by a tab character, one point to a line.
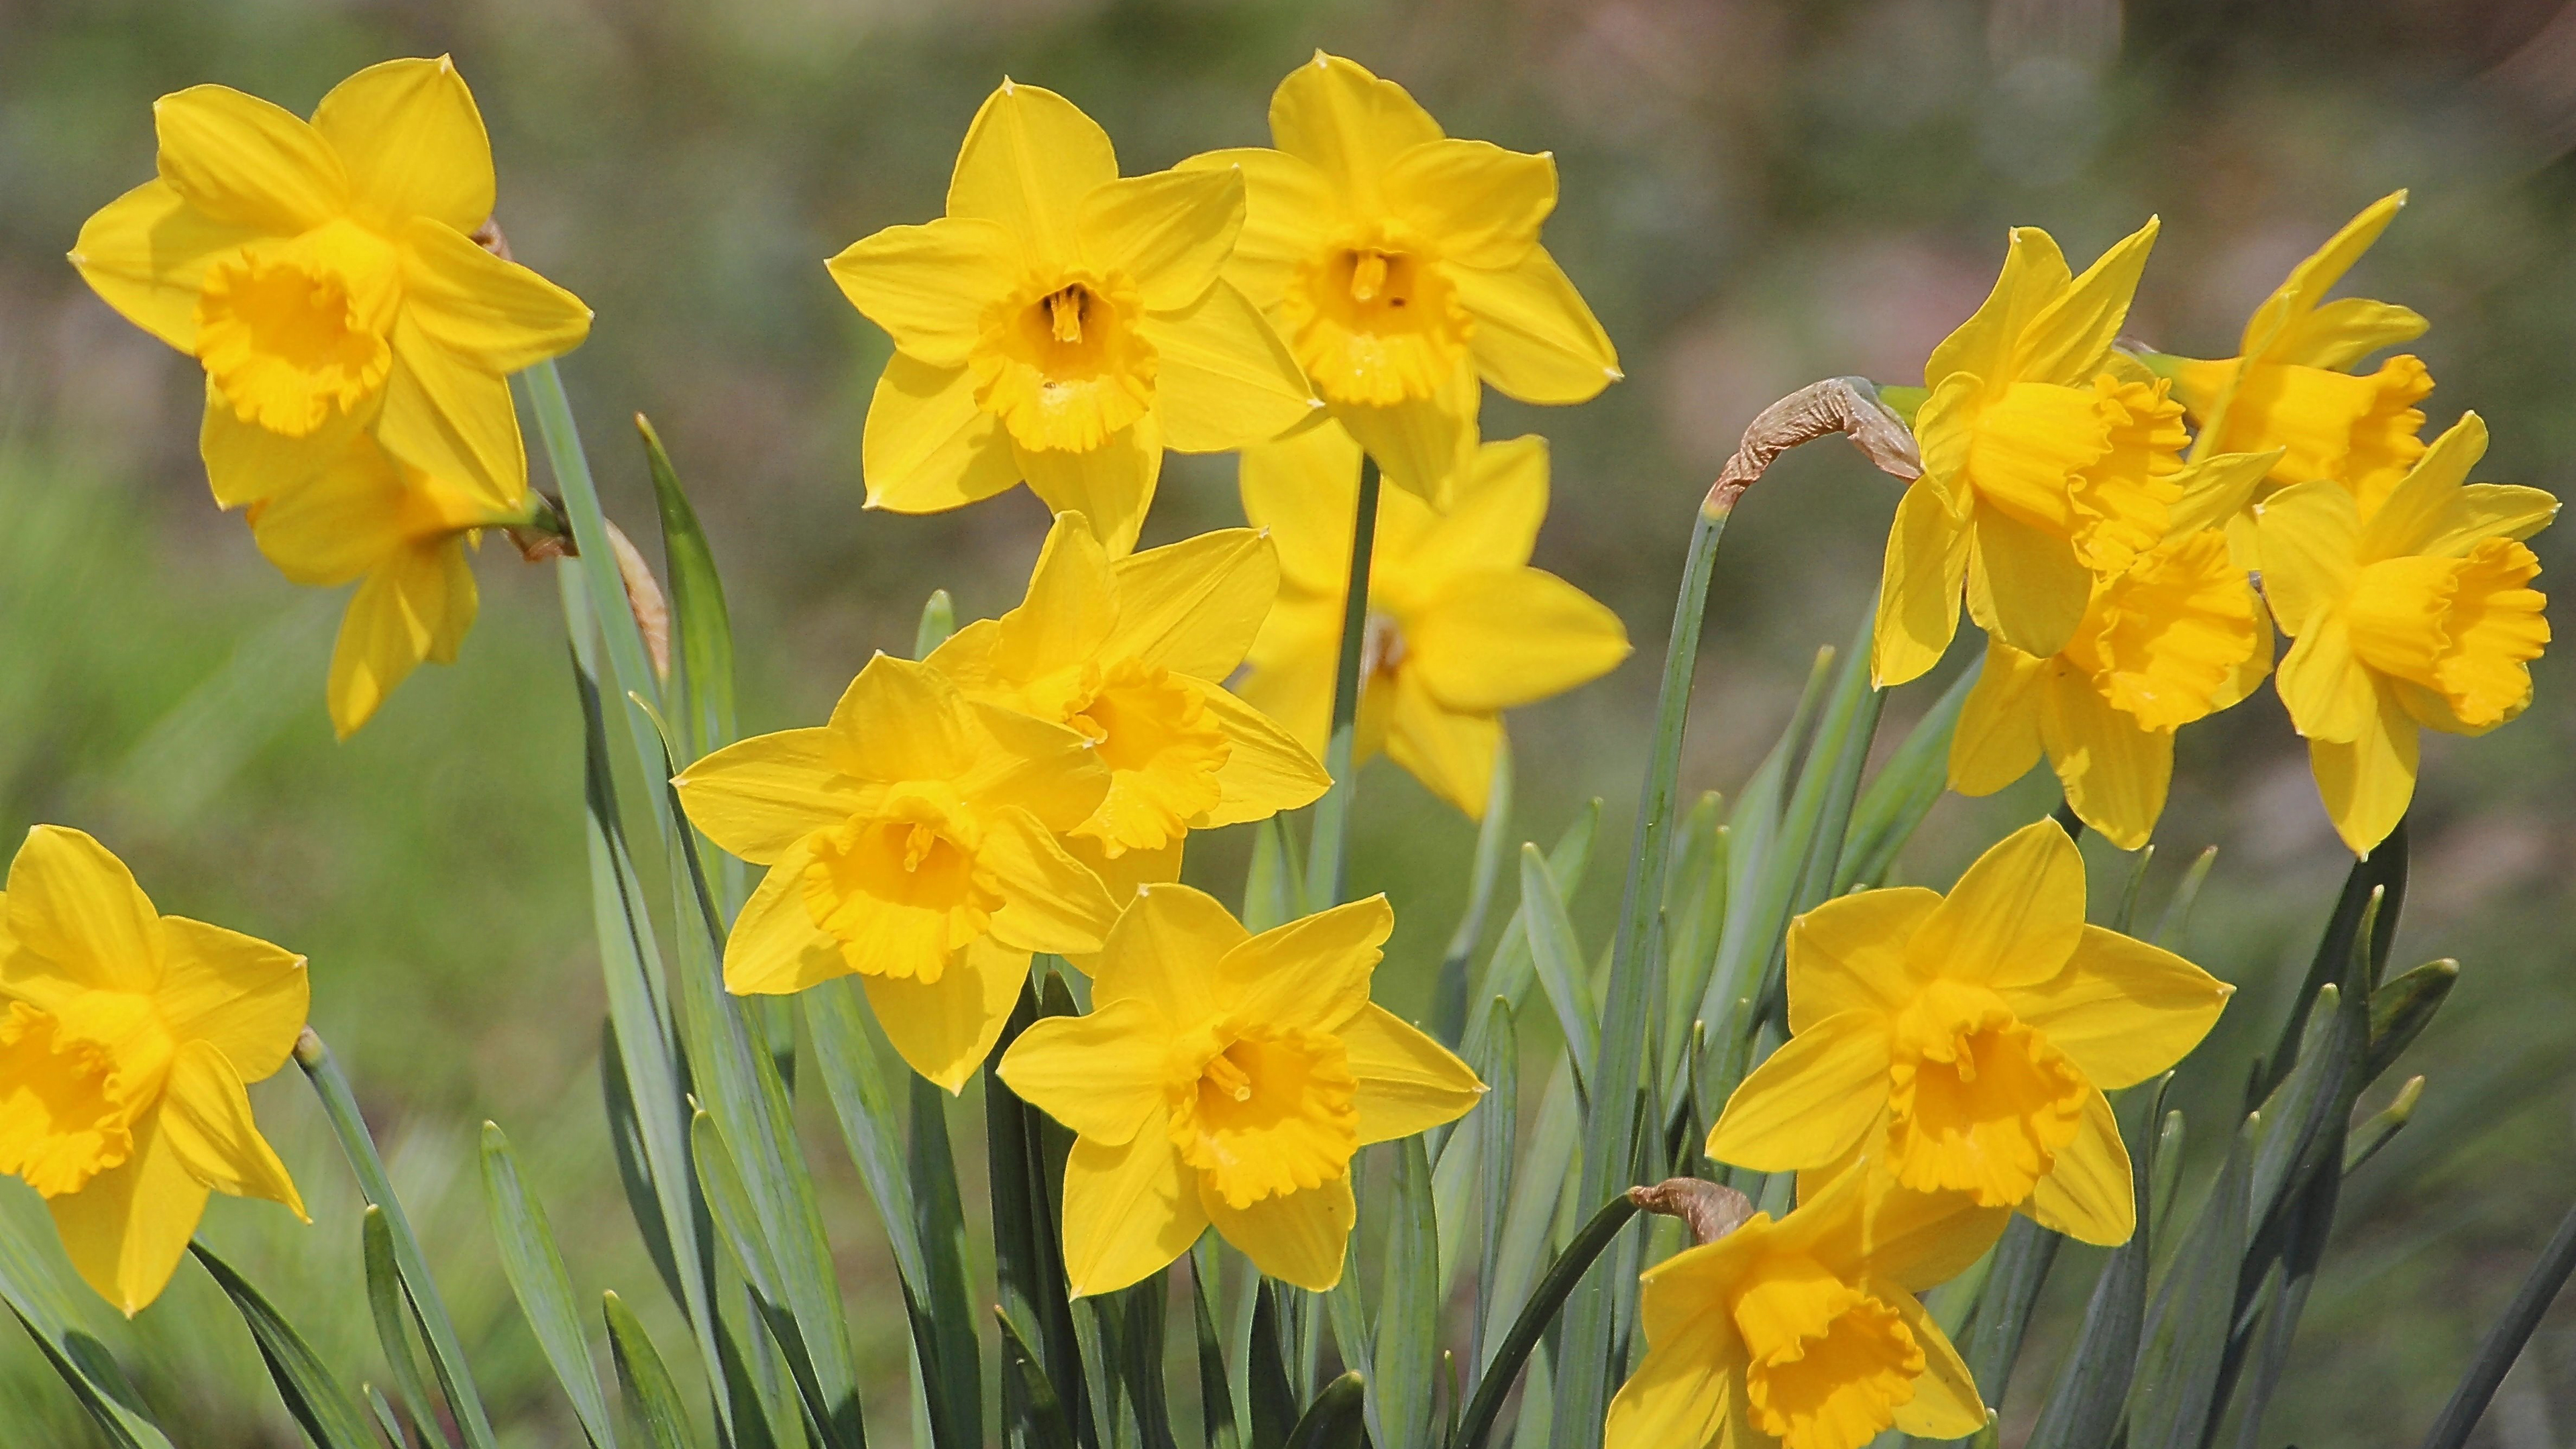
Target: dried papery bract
1846	405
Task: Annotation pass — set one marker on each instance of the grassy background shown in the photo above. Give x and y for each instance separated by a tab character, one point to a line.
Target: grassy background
1756	193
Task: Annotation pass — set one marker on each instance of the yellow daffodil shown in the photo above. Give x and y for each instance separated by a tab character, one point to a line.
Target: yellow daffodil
325	275
1129	652
125	1038
2418	614
911	841
1805	1331
402	534
1062	325
1459	628
1225	1078
1966	1040
2175	637
2290	386
2046	459
1402	265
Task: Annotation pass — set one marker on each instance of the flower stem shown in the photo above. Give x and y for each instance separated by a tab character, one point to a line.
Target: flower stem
1535	1316
1327	861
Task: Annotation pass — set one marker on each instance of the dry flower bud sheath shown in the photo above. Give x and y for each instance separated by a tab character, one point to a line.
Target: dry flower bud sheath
1847	405
1712	1211
547	539
488	237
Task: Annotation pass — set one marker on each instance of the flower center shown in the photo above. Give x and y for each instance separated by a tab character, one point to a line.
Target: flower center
1061	363
72	1086
2090	465
293	331
2162	640
2465	628
1979	1101
1264	1110
902	887
1162	750
1828	1364
1376	323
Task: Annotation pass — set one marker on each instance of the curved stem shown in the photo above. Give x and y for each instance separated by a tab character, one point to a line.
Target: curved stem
1327	860
1544	1300
2504	1341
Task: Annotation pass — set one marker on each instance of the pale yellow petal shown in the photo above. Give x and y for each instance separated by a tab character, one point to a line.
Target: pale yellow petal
1312	972
2067	340
2034	274
1225	380
496	315
414	605
1408	1082
759	797
240	160
1296	1237
2122	1010
2216	489
2330	693
945	1029
2341	333
1069	609
903	720
2038	586
1195	607
775	948
1053	773
2015	915
1111	485
2115	771
1946	1404
1100	1075
206	1116
1494	514
1422	445
1451	751
1301	490
1344	121
1478	204
2312	278
2310	538
330	528
127	1228
452	419
927	446
1291	671
1164	951
413	143
236	993
1265	770
2489	510
1290	209
74	903
1536	338
1810	1100
146	255
1997	739
1129	1209
1849	954
1171	231
246	463
1501	638
2089	1194
928	286
1029	159
1918	590
2368	783
1050	901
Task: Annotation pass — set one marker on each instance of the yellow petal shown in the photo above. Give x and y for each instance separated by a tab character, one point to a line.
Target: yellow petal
1225	380
928	286
1300	490
1502	638
2489	510
2088	1194
1811	1100
1164	951
1101	1074
2015	915
1870	1227
411	606
2425	499
1478	204
1289	211
1536	339
1918	590
146	255
2330	693
2341	333
927	446
2368	783
1111	485
496	315
2115	771
1408	1082
2122	1010
1849	954
1348	124
902	720
126	1229
1129	1210
1946	1404
759	797
1050	902
1997	739
353	515
452	419
73	902
1194	607
1684	1392
2310	536
1296	1237
2256	667
206	1117
1069	609
775	948
242	161
246	463
236	993
1494	514
1450	751
1291	670
1265	770
1424	444
2311	279
413	143
2215	489
1029	159
1312	972
2038	586
1170	230
1049	771
2033	275
2066	341
946	1028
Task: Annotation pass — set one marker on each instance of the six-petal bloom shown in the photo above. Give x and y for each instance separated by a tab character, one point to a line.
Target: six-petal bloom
1063	325
125	1038
1223	1078
1403	265
1966	1040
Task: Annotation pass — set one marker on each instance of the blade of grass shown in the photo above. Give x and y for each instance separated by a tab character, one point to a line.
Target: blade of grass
535	1268
1558	958
328	1415
1335	1420
1407	1351
651	1398
394	1324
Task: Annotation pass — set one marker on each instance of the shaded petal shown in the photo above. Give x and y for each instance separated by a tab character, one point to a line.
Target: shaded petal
2341	333
2215	490
246	463
1225	379
1536	338
1312	972
2312	278
1685	1391
1450	751
1811	1100
1912	1239
413	143
2014	917
126	1229
2066	341
1346	122
1194	607
2038	587
417	604
1111	486
2330	693
2034	273
1265	770
1291	669
1918	590
1422	445
496	315
1849	954
2088	1194
2310	539
927	447
1494	514
1301	490
944	1029
235	993
759	797
1069	609
2115	771
1129	1209
1100	1075
2424	500
329	528
1052	772
1408	1082
1480	205
927	286
2368	783
775	948
2122	1010
903	720
1029	159
1164	951
146	255
205	1115
1946	1404
74	903
1289	210
2488	510
1169	230
452	419
244	162
1501	638
1997	739
1295	1237
1050	901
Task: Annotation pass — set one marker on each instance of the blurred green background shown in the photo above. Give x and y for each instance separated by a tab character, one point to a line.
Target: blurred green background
1756	193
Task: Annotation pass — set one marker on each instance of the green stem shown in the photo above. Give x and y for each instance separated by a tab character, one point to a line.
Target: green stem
1515	1348
447	1353
1327	861
2504	1341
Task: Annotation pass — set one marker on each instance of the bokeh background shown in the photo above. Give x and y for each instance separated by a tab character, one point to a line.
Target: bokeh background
1756	193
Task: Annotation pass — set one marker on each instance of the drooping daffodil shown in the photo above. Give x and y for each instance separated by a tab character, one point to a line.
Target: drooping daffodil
125	1039
1063	325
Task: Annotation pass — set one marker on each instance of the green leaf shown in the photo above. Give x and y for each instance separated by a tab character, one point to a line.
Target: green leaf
1496	1128
105	1398
2375	889
2124	920
329	1416
395	1426
702	685
2184	1342
1407	1357
2373	1135
1694	915
2504	1342
651	1398
1558	959
1272	888
1025	1186
2400	1010
2176	918
1810	842
1217	1407
393	1319
1042	1424
1334	1420
1449	987
1534	1317
1903	791
1509	971
535	1268
2083	1409
2309	1221
732	1202
1273	1402
2022	1259
938	621
1539	1180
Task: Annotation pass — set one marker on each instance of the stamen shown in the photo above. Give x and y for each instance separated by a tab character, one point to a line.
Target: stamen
1222	1073
917	845
1368	276
1065	312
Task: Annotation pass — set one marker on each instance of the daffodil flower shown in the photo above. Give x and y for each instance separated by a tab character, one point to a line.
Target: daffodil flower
1402	265
2290	385
2177	636
2419	614
325	275
1128	652
1226	1079
1966	1040
2046	459
1805	1331
1460	628
911	841
125	1038
1063	325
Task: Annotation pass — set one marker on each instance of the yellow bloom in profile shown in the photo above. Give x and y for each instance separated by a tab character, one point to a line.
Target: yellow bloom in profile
911	841
1062	325
2177	636
1805	1331
402	534
2418	614
1129	652
2289	387
1460	628
1225	1078
1402	265
125	1038
2046	460
1965	1040
324	274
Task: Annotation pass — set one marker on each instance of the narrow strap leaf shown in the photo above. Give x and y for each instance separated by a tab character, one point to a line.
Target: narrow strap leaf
651	1397
311	1394
1334	1420
535	1268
